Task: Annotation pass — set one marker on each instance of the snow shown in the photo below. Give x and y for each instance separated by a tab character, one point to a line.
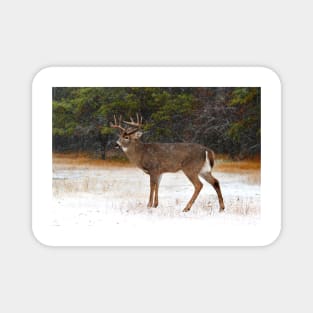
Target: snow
92	197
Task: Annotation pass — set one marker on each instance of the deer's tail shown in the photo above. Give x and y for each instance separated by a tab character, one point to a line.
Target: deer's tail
211	156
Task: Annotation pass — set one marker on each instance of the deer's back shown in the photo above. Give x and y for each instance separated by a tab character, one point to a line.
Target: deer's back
171	157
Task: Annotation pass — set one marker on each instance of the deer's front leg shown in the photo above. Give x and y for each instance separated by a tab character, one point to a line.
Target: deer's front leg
156	190
152	190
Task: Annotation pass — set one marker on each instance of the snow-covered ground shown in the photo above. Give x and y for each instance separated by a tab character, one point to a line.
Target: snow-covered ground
95	196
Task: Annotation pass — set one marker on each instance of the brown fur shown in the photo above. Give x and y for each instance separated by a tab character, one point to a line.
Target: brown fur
158	158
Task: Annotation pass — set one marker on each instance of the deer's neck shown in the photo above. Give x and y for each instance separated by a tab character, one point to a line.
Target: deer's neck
134	152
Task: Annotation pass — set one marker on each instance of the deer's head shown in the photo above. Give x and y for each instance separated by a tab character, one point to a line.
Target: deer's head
130	134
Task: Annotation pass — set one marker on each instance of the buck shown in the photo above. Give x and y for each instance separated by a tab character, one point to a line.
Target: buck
157	158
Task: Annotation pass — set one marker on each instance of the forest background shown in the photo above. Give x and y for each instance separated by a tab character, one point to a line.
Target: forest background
225	119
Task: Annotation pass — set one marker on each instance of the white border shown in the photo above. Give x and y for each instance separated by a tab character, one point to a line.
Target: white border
262	234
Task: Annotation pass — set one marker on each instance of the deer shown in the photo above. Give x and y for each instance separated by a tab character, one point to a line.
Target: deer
155	159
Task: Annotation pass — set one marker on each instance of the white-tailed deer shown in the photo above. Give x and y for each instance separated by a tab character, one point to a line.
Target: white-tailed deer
157	158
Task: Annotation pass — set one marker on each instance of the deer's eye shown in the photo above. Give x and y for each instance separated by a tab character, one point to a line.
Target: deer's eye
126	137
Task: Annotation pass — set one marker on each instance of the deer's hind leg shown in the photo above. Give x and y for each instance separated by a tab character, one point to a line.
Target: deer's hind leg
198	186
216	185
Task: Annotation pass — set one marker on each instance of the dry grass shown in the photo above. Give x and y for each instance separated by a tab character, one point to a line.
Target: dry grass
230	166
92	185
249	169
86	184
82	159
76	160
242	206
252	177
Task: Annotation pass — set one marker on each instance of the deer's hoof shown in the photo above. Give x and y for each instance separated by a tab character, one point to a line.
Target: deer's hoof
186	209
222	209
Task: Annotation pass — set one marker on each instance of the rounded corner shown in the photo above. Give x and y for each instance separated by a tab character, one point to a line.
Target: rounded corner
273	74
41	73
38	239
273	238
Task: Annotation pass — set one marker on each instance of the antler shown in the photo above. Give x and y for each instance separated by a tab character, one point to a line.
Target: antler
137	124
118	125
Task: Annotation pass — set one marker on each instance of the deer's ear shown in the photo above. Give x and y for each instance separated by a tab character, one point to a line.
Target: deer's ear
138	134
